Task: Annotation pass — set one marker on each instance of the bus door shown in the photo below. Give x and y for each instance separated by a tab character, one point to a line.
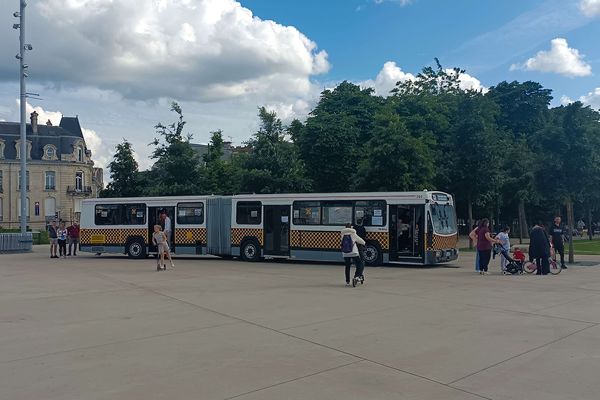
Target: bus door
406	231
154	218
277	230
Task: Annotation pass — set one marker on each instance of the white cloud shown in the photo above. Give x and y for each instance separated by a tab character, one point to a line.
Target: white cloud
590	8
202	50
391	73
592	99
565	100
561	59
43	115
387	78
468	82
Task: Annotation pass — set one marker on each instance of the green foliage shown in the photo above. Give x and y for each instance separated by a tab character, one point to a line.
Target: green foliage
272	164
123	173
496	152
176	170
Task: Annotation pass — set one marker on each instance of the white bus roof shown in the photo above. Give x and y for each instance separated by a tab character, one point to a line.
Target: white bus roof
423	195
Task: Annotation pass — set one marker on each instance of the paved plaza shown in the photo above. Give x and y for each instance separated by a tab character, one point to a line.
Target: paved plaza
113	328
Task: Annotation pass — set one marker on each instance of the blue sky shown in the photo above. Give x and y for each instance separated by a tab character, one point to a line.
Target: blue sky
485	37
118	64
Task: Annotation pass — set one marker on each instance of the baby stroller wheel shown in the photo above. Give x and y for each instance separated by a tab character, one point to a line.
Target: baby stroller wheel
530	267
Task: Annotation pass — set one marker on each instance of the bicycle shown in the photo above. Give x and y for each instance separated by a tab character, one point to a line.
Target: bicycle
530	266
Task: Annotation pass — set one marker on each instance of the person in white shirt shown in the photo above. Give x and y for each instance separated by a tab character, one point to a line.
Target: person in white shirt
505	243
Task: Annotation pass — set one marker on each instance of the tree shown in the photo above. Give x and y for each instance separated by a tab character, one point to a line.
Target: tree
333	140
218	176
394	160
570	170
272	164
123	173
176	170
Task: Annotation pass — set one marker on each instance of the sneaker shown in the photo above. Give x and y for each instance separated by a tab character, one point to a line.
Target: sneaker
172	266
69	255
563	267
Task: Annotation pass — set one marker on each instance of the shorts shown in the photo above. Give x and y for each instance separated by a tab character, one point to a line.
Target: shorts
53	240
163	248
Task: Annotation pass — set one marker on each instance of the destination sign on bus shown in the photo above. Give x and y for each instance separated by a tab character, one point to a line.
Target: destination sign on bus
439	197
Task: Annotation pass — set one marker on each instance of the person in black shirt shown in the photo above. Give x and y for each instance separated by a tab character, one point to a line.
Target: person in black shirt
362	233
557	234
539	248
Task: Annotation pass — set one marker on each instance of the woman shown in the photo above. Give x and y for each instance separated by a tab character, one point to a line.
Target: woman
539	248
473	237
62	240
350	252
160	241
484	245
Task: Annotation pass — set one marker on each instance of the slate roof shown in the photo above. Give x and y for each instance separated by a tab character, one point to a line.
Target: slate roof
63	137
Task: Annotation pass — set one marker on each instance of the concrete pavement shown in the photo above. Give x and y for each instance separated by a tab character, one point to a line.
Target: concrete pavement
114	328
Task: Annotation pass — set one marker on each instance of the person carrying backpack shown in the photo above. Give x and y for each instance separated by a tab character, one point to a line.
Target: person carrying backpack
350	253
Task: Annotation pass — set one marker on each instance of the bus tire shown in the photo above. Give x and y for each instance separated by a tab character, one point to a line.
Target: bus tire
250	250
136	248
372	254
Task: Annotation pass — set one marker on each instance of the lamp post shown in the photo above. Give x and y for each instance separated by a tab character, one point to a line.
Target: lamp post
23	74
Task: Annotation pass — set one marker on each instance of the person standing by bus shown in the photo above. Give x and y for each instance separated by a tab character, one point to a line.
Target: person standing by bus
557	237
166	222
160	241
350	253
484	245
362	233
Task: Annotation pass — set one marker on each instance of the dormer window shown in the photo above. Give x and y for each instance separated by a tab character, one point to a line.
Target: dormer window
80	154
50	152
1	148
18	148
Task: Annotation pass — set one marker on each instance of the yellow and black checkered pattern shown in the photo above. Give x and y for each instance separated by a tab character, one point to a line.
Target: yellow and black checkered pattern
111	236
190	236
238	234
383	238
443	242
330	240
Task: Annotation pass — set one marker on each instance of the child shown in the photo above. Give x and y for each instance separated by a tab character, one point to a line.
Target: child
160	240
505	243
518	255
61	234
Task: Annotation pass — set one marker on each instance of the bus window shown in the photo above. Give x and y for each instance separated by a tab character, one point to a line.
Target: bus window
190	213
135	214
337	213
248	212
307	213
120	214
108	214
373	213
443	218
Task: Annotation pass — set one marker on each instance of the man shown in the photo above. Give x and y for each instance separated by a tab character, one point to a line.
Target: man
52	234
362	233
73	233
166	224
557	237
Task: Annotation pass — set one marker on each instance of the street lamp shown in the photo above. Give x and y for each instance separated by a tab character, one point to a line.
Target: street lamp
22	75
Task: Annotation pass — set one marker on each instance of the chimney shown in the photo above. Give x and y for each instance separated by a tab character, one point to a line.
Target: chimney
49	123
34	125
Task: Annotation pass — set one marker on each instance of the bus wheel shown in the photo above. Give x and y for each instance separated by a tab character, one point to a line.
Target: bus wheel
136	249
372	254
250	250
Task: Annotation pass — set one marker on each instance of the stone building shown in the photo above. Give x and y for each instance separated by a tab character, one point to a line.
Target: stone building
60	172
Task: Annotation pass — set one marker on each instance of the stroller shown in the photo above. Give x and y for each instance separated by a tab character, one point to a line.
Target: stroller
513	267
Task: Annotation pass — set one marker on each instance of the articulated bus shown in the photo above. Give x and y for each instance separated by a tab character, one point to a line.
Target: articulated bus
402	227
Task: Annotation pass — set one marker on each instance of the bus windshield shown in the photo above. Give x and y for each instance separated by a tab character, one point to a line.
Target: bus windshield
444	219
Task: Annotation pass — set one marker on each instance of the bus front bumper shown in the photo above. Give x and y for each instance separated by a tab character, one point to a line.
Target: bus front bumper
440	256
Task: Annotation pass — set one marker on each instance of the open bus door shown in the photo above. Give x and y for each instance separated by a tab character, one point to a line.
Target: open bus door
154	219
277	231
406	232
